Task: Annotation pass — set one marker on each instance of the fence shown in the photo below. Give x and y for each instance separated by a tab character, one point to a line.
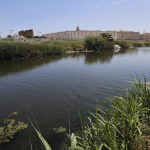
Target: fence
37	39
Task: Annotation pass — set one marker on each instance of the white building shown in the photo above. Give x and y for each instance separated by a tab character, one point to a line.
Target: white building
17	37
77	34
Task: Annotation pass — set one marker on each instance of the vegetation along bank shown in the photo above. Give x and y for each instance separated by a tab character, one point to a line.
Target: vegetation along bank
10	49
124	125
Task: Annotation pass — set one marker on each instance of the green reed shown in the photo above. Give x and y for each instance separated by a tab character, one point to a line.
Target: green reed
124	126
14	49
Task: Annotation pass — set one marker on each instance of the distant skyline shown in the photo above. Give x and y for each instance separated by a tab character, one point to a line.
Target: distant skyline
49	16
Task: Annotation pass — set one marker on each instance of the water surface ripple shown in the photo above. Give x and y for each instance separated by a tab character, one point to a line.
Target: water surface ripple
50	87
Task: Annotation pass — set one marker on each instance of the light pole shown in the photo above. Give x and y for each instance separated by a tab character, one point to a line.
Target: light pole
10	31
39	33
0	34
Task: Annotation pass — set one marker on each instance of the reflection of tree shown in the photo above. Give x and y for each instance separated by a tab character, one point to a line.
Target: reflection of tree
20	65
102	57
17	65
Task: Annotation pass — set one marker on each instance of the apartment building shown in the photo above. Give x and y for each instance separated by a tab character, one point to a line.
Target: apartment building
81	34
128	35
145	36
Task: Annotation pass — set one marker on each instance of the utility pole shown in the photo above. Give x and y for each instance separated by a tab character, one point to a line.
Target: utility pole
0	34
10	31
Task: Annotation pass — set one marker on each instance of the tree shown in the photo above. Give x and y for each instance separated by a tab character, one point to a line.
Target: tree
36	36
29	36
9	36
107	36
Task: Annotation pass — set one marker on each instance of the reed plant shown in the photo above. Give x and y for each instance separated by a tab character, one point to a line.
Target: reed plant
125	125
128	44
14	49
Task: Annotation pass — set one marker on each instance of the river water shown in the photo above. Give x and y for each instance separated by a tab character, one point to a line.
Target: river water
55	87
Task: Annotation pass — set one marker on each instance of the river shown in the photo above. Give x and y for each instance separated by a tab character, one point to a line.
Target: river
55	87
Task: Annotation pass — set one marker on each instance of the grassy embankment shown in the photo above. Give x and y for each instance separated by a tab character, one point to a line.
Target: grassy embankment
129	44
13	49
10	49
124	126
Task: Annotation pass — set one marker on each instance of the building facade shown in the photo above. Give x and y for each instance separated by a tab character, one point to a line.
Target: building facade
128	35
18	37
26	32
77	34
145	36
81	34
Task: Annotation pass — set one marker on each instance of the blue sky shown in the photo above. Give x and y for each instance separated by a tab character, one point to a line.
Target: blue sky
49	16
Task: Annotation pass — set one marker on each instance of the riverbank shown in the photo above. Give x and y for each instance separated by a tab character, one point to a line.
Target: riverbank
132	44
82	80
13	49
10	49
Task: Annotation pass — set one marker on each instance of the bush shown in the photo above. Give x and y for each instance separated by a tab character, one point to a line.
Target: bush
123	44
98	43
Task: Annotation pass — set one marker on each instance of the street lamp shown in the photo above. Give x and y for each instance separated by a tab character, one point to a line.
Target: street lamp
0	34
39	33
10	31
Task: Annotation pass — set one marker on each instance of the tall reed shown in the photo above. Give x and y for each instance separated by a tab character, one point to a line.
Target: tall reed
124	126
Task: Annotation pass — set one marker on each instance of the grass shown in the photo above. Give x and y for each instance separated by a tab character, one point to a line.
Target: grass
13	49
128	44
10	49
125	126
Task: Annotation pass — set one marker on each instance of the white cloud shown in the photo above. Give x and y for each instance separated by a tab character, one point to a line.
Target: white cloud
118	2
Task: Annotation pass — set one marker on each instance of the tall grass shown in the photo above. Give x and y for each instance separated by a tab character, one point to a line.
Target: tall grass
10	49
124	126
13	49
128	44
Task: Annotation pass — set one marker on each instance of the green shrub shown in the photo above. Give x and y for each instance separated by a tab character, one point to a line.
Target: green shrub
123	44
98	43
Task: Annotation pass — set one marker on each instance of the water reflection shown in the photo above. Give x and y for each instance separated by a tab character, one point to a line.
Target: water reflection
102	57
20	65
51	86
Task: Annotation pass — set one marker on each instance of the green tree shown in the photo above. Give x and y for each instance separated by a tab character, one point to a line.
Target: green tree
107	36
29	36
9	36
36	36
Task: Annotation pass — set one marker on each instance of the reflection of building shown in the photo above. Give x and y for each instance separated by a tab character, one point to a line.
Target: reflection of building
145	36
128	35
77	34
26	32
80	34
